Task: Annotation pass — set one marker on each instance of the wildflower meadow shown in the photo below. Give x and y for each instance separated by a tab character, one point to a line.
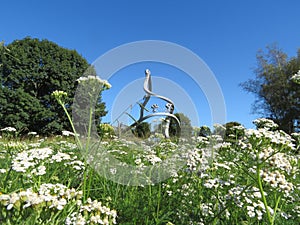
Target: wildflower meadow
253	178
247	176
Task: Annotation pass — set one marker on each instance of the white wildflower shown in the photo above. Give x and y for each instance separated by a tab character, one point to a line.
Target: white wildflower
67	133
138	161
9	129
41	170
153	159
60	156
250	211
211	183
113	171
104	83
265	123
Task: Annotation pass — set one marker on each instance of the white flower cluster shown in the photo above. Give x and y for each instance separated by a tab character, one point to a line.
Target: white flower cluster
76	164
277	180
39	171
93	212
67	133
60	156
243	196
265	123
207	209
48	195
153	159
25	159
296	77
32	158
223	165
193	159
9	129
97	79
238	128
57	196
278	160
211	183
59	94
32	133
257	210
277	137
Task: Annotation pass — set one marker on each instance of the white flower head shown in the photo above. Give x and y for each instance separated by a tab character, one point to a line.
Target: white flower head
265	124
9	129
67	133
59	94
104	83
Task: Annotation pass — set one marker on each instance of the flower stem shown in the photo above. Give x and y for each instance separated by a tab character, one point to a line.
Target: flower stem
71	122
87	146
263	194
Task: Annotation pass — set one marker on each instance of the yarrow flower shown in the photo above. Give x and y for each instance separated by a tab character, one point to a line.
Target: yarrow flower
41	170
9	129
30	158
57	196
93	212
153	159
59	94
265	123
104	83
277	180
67	133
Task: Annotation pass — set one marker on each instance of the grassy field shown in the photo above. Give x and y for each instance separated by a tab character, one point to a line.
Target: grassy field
250	179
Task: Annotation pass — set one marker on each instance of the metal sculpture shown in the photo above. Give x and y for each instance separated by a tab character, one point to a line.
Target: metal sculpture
168	114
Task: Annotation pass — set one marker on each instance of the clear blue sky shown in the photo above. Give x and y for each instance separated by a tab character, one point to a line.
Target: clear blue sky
225	34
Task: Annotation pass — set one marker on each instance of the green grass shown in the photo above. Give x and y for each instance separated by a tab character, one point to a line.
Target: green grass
250	180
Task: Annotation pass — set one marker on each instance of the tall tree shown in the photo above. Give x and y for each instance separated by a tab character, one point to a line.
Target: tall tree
142	130
186	128
277	96
31	71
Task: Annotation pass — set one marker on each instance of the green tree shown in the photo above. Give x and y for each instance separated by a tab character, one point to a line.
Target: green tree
185	129
204	131
277	96
31	71
142	130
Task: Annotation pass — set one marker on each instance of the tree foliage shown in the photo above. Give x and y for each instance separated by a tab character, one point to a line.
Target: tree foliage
277	96
204	131
142	130
185	129
31	71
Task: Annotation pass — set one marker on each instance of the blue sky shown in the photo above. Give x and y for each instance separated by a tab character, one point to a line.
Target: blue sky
225	34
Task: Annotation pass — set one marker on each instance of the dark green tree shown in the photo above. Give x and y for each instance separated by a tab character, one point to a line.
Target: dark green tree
142	130
204	131
31	71
186	128
277	96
